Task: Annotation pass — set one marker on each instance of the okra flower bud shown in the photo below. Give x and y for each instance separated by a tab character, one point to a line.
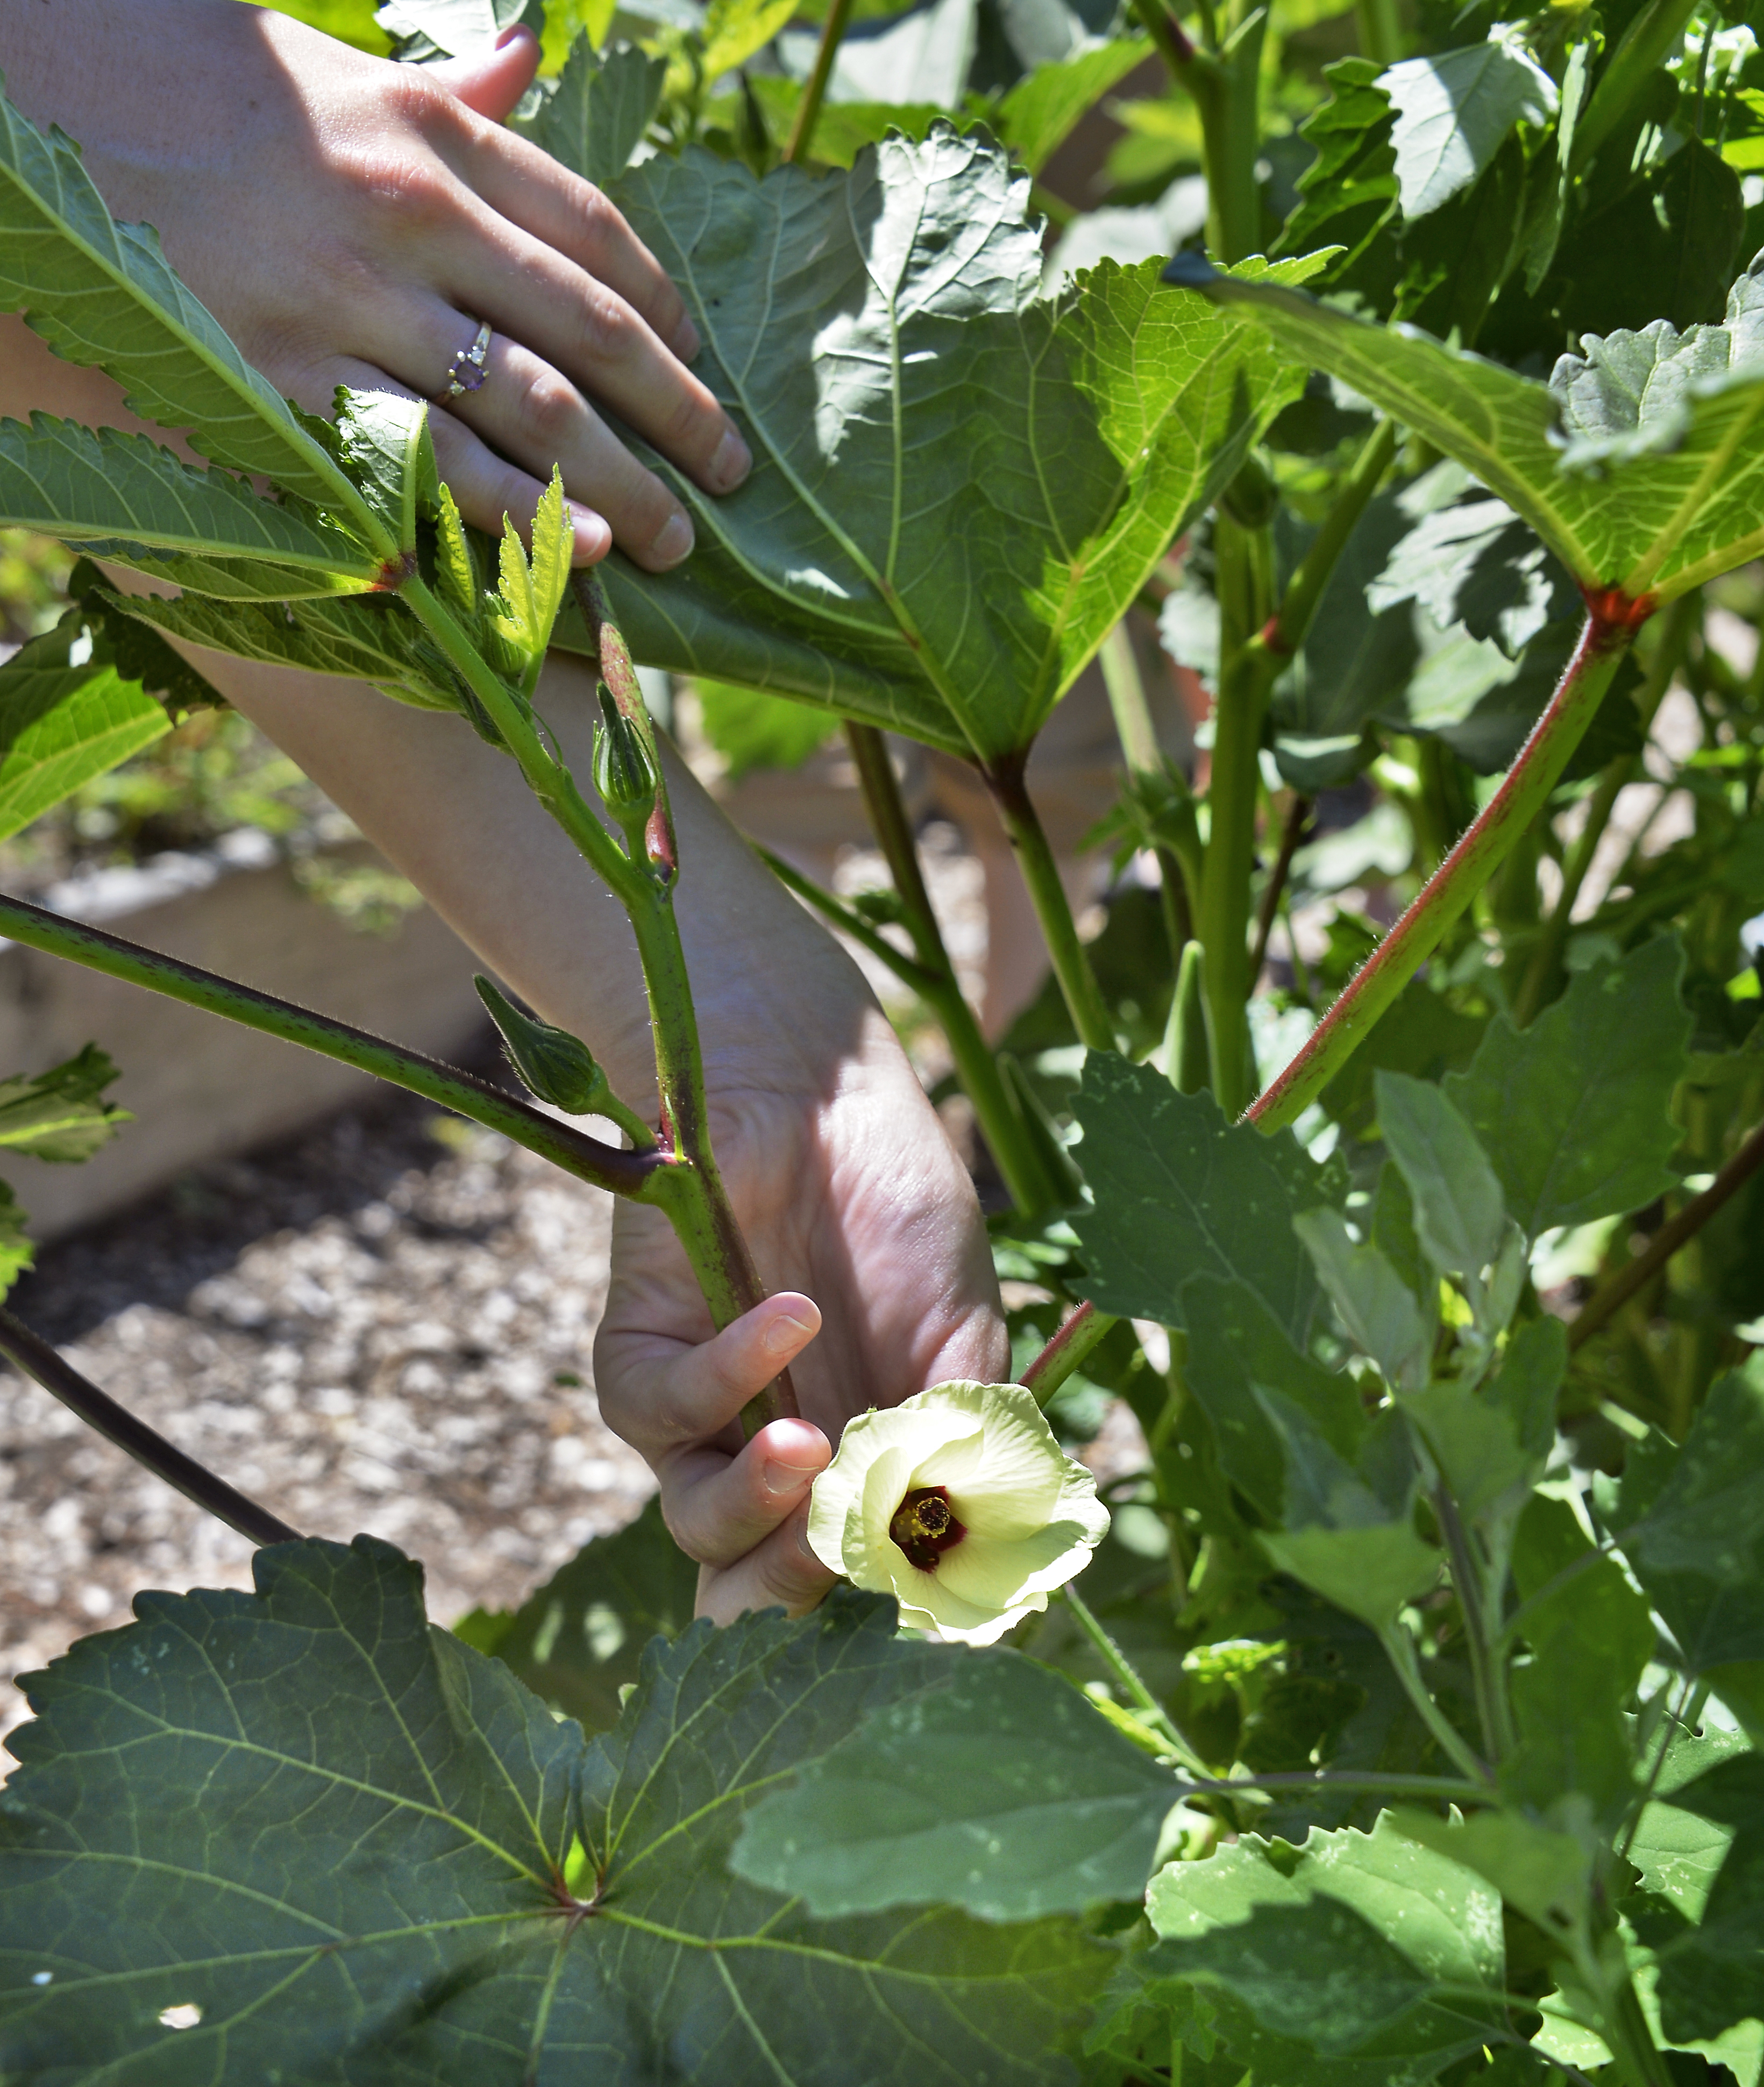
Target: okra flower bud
961	1503
624	773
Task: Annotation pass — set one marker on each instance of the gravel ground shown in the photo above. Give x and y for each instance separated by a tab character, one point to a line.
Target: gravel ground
384	1325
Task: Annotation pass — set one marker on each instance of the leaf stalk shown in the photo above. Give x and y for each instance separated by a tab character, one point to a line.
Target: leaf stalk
815	90
1490	838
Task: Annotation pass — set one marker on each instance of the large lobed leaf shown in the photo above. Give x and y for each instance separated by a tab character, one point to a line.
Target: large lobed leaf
959	485
1640	464
351	1842
102	293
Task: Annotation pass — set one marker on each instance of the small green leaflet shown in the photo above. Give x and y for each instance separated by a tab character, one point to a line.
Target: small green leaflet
997	1789
734	29
102	293
1575	1112
1179	1191
594	118
1460	1218
1382	1958
1454	111
344	1836
1665	492
80	483
959	484
61	1115
1039	113
63	725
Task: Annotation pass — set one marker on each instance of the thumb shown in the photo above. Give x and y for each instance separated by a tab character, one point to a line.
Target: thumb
490	81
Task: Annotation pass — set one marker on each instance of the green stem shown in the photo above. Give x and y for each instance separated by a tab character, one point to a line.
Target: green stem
1144	756
1305	590
1224	86
1298	819
1084	1332
1083	997
1246	674
978	1069
632	1174
1400	1649
30	1353
1487	1673
814	91
1675	627
1636	1275
1151	1711
1502	821
1380	30
1629	70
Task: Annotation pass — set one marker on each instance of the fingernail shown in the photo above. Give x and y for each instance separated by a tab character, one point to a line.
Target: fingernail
786	1334
673	541
593	538
732	463
780	1478
686	342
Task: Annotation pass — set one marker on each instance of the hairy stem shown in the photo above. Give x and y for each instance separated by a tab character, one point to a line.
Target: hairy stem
1675	630
631	1174
1500	825
1082	1333
1611	1296
1222	83
1001	1125
1151	1711
815	92
1084	998
30	1353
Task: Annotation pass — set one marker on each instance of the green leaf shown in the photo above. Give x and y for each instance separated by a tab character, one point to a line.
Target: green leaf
734	29
959	484
376	1881
422	29
752	731
383	440
1658	487
1040	112
102	293
1474	562
1546	1874
366	637
1180	1192
578	1641
997	1789
1575	1112
62	725
1492	1441
1348	195
61	1115
1459	1218
79	483
1420	1033
1377	1306
1295	1438
1353	1946
1455	110
1591	1636
1712	1976
1699	1547
555	1066
17	1253
596	118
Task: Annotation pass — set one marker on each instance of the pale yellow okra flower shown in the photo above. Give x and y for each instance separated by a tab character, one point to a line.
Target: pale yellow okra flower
961	1503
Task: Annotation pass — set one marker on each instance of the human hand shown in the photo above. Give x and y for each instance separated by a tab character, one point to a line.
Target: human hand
352	221
850	1196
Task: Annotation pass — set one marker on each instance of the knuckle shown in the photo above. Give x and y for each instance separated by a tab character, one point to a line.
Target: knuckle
549	413
606	327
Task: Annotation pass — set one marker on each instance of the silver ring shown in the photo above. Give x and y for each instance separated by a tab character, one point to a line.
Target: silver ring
466	372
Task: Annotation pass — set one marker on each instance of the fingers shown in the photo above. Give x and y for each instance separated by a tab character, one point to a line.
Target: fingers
532	190
525	412
782	1570
718	1511
490	82
665	1397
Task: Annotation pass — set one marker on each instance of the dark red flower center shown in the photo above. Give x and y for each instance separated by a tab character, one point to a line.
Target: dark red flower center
924	1527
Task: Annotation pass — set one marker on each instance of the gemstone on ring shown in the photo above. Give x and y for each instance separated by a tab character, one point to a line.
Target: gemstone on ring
466	372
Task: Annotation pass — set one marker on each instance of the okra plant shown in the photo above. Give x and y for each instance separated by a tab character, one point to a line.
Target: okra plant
1398	1720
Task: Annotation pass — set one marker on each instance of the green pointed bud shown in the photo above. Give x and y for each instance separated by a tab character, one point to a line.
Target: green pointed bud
623	773
555	1066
